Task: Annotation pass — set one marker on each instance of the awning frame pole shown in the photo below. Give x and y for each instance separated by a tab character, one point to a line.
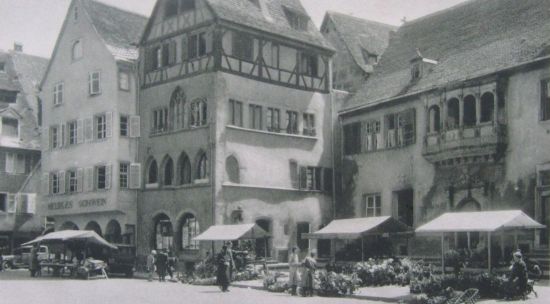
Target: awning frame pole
265	254
469	240
443	253
489	250
362	250
516	239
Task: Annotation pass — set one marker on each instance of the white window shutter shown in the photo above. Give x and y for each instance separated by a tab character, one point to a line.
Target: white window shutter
79	179
45	184
134	126
109	124
31	203
46	136
89	179
88	130
10	162
63	135
11	203
135	176
61	181
108	174
90	90
79	131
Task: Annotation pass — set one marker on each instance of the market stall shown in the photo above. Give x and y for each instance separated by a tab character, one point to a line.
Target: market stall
351	229
489	222
79	241
234	233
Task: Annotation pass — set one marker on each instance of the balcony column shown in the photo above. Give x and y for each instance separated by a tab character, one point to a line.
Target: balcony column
495	108
443	116
478	108
461	111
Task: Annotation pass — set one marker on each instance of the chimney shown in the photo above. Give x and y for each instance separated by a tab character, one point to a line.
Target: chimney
18	47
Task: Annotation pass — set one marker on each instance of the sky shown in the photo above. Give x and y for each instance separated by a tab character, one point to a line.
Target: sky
36	23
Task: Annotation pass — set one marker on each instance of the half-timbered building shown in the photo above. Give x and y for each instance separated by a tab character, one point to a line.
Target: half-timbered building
236	123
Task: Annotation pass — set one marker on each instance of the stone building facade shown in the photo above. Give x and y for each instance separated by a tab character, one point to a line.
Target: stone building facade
19	146
454	120
236	124
90	128
359	43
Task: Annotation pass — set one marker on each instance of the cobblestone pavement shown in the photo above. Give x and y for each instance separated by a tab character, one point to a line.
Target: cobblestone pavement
17	287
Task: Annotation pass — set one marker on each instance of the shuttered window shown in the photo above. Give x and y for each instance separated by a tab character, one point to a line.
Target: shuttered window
235	113
94	83
135	176
135	126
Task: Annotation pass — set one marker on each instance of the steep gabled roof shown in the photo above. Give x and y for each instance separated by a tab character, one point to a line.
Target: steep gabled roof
360	34
8	81
30	69
264	15
473	39
120	29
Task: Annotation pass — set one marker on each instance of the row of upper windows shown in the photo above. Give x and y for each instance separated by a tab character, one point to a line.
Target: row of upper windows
178	174
17	163
270	119
9	127
179	115
94	86
199	44
89	179
399	131
100	127
18	203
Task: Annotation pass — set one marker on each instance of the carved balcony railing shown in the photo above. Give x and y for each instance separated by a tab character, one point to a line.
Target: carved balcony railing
475	141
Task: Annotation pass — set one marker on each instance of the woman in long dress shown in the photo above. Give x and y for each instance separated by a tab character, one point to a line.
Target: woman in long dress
222	275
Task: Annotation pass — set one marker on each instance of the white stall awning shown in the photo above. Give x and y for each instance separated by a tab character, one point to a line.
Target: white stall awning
88	236
232	233
480	221
358	227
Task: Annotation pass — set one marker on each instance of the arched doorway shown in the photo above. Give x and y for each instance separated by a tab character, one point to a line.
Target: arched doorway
68	226
163	233
113	232
468	204
94	226
263	248
188	229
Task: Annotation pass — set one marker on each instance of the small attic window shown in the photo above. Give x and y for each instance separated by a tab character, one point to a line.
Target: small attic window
416	71
171	8
187	5
2	66
296	20
370	58
255	2
75	13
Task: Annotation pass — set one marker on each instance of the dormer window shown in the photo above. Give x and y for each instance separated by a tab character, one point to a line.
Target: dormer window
296	20
416	70
419	65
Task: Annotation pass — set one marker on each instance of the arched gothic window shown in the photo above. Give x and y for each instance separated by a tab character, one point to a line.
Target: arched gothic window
184	169
177	109
202	166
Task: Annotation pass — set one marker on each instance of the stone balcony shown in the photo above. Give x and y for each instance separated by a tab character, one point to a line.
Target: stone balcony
480	142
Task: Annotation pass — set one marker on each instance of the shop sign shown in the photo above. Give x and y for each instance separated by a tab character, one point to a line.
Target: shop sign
89	203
